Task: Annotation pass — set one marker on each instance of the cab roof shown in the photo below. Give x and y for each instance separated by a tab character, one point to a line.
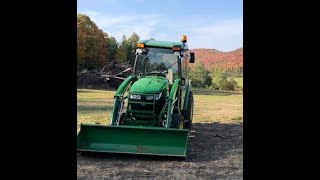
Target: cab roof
162	44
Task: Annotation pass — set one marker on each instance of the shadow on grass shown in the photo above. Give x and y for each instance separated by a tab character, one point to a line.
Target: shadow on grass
214	92
208	142
90	90
92	108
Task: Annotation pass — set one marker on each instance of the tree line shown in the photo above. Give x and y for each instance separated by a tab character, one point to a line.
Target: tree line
215	78
96	48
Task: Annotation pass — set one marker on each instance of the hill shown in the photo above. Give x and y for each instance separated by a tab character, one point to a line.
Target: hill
231	61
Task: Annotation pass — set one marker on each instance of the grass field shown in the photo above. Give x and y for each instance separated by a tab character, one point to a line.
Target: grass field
214	147
95	106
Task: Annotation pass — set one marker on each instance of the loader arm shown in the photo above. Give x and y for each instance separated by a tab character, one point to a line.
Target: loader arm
117	97
171	101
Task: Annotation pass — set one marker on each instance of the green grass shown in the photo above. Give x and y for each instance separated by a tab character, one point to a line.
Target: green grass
95	106
217	106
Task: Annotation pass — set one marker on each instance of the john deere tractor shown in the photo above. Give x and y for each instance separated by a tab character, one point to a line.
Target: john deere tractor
153	108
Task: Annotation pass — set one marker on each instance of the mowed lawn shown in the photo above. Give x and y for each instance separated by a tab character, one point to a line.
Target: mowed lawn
95	106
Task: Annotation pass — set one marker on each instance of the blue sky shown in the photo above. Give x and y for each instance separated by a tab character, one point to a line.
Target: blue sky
214	24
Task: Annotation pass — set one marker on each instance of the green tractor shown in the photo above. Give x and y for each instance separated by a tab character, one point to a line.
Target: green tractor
153	108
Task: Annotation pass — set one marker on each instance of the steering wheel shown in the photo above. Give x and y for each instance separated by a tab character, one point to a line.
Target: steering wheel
161	68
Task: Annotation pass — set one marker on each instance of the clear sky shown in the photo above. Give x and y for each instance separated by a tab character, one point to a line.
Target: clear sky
214	24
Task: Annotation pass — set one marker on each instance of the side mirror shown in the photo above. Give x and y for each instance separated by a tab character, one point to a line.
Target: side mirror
191	57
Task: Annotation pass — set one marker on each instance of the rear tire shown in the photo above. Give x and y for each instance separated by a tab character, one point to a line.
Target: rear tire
188	114
176	120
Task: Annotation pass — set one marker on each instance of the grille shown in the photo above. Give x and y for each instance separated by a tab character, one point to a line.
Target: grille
149	107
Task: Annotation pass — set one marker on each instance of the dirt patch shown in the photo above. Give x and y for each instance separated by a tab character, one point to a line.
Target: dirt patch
215	152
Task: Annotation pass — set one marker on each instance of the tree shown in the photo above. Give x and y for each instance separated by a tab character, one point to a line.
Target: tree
220	81
126	50
112	48
199	75
121	55
131	47
92	44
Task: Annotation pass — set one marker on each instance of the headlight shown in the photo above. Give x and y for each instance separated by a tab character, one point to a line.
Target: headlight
157	97
135	96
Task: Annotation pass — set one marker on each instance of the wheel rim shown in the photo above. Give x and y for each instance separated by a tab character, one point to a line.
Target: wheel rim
181	125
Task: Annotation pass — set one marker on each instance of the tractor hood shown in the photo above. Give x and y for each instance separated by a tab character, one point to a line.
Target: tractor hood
149	85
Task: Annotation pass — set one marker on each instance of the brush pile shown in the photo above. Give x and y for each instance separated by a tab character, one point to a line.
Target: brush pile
110	76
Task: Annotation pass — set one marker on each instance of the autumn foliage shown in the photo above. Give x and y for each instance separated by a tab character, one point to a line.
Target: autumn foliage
212	59
96	48
91	44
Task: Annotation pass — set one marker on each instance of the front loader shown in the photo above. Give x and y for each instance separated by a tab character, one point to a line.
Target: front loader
153	107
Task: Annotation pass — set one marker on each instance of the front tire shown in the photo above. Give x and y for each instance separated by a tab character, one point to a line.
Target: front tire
188	114
177	121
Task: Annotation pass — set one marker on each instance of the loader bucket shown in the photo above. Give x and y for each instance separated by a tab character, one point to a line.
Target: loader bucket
132	140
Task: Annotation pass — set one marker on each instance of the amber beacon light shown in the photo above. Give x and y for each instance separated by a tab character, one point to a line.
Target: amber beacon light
184	38
140	45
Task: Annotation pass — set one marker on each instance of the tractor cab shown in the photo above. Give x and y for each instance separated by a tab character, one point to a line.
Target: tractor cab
165	59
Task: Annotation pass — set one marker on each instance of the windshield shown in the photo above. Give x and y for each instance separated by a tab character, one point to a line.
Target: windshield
157	60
